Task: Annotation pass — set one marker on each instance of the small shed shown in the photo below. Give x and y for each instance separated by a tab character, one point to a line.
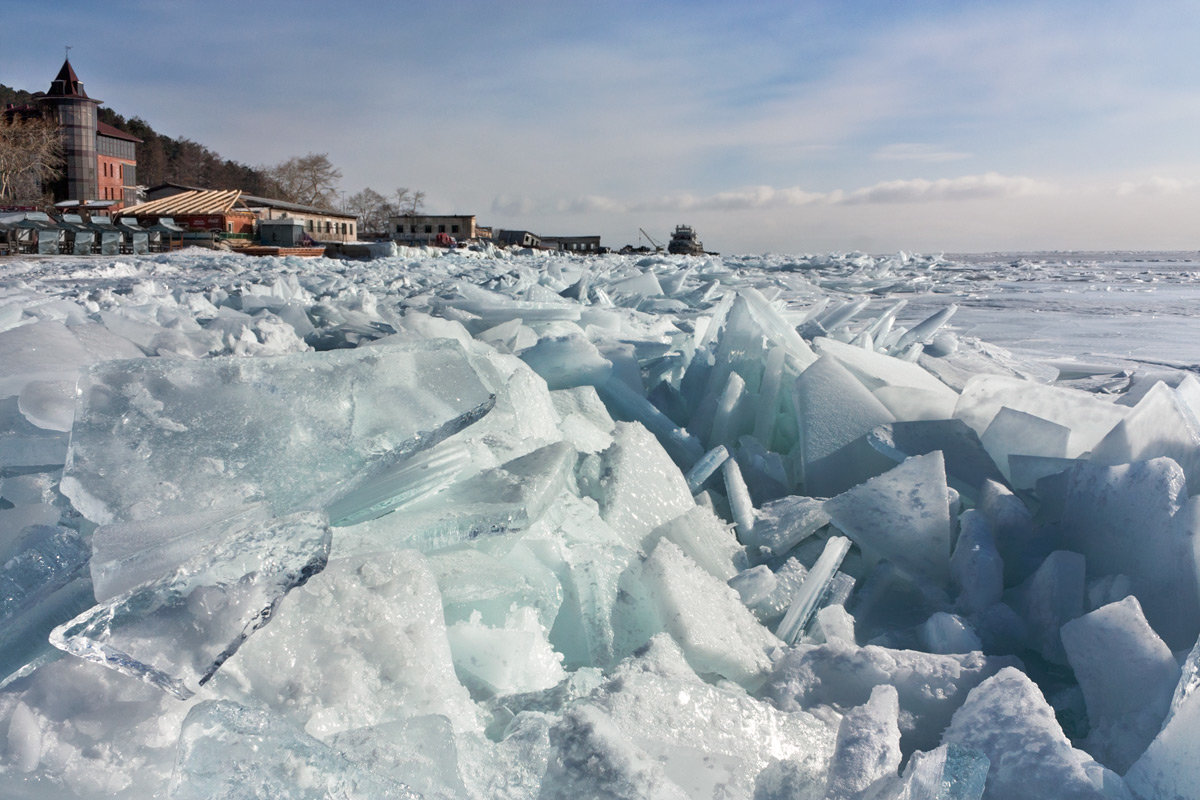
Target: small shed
281	232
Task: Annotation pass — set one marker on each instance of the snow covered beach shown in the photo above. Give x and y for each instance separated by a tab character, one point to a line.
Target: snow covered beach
484	525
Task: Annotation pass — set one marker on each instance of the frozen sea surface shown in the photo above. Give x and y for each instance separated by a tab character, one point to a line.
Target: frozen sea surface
490	524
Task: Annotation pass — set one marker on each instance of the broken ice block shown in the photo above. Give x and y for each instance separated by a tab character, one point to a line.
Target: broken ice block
1051	597
42	585
177	631
948	633
708	738
670	592
624	403
1170	767
1161	424
834	410
975	567
167	437
568	361
903	515
638	487
389	486
1128	677
868	745
1008	720
361	644
931	687
704	537
967	462
1136	520
510	658
813	590
1088	417
231	752
1016	433
740	504
878	371
592	757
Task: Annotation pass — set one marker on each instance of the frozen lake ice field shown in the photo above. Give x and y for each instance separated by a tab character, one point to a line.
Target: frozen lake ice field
481	525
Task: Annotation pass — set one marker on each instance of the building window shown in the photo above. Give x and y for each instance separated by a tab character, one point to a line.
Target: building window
429	229
399	229
454	229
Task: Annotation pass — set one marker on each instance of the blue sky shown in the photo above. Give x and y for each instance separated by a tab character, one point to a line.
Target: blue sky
772	126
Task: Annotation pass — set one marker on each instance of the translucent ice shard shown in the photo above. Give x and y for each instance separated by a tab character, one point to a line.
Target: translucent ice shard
951	772
231	752
705	467
636	484
42	585
1051	597
361	644
283	429
177	631
568	361
903	515
624	403
814	588
495	501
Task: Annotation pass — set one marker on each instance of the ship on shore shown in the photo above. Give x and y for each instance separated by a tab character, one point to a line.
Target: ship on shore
684	242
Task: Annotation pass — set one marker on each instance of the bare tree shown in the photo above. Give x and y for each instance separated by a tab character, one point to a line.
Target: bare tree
31	155
311	180
408	201
372	209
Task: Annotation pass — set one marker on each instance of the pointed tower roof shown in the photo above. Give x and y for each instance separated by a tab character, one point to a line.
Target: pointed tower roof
67	84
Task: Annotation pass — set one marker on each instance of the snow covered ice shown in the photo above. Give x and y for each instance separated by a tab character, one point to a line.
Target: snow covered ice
492	525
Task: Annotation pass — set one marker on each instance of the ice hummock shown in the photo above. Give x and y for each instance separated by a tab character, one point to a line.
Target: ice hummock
570	502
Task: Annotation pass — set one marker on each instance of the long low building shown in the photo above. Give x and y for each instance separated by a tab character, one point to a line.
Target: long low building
417	230
321	224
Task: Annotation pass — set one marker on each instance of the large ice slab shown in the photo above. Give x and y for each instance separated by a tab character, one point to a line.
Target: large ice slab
163	436
710	739
838	674
363	643
868	746
231	752
903	515
1087	417
1136	520
177	631
1128	677
1007	719
670	592
1170	766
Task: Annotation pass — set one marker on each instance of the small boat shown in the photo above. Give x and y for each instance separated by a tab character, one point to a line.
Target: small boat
684	242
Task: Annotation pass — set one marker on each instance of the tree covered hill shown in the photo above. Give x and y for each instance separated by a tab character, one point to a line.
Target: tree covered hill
163	158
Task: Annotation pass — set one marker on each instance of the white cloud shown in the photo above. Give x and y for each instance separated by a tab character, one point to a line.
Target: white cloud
967	187
990	185
914	151
1156	185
